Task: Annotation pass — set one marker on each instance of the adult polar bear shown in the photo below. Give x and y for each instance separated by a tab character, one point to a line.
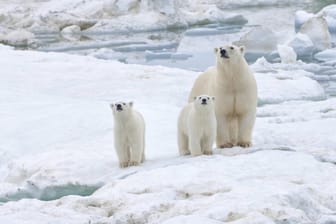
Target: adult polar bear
232	83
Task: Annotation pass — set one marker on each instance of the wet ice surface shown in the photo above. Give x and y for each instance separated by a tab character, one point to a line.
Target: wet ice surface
191	48
170	48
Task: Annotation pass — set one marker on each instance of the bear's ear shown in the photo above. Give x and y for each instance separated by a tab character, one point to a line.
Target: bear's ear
195	97
131	103
112	107
216	50
213	98
242	49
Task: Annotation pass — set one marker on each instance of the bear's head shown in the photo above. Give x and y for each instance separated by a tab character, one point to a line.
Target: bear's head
121	108
204	102
229	53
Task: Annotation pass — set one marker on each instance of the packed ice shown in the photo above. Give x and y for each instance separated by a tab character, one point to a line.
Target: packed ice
302	45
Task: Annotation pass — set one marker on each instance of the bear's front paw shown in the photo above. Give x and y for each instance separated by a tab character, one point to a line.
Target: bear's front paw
134	163
196	153
184	153
226	145
207	152
244	144
123	164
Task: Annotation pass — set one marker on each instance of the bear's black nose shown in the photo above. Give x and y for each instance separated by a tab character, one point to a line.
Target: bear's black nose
204	101
223	52
119	107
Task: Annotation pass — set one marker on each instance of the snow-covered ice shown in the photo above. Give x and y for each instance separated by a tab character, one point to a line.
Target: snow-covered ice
316	28
106	15
326	55
302	45
259	40
57	106
57	160
19	38
287	54
301	17
327	15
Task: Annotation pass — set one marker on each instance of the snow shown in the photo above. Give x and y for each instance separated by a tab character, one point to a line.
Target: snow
299	191
302	45
328	14
301	17
122	16
326	55
57	104
106	15
287	54
269	85
259	40
57	160
71	29
316	28
20	38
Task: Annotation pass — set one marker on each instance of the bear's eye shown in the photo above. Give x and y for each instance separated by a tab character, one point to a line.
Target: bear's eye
208	98
231	48
124	103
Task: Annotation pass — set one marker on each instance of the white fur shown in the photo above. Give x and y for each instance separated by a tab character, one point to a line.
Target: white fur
234	86
129	134
197	127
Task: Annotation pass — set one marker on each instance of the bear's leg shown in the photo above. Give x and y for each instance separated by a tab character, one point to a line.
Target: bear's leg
182	140
183	145
136	152
194	143
223	138
233	133
245	128
143	157
122	152
207	143
143	149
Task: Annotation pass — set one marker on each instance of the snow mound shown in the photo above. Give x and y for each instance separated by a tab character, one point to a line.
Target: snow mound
316	28
259	40
328	14
190	219
301	17
280	86
253	188
301	119
287	54
302	45
326	55
18	38
71	29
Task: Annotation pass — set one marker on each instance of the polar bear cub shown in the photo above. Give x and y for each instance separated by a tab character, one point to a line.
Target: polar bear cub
197	127
129	134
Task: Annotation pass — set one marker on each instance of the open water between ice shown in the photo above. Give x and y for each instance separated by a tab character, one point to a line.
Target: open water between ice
187	49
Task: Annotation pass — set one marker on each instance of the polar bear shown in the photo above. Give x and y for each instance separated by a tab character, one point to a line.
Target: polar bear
233	84
129	134
197	127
